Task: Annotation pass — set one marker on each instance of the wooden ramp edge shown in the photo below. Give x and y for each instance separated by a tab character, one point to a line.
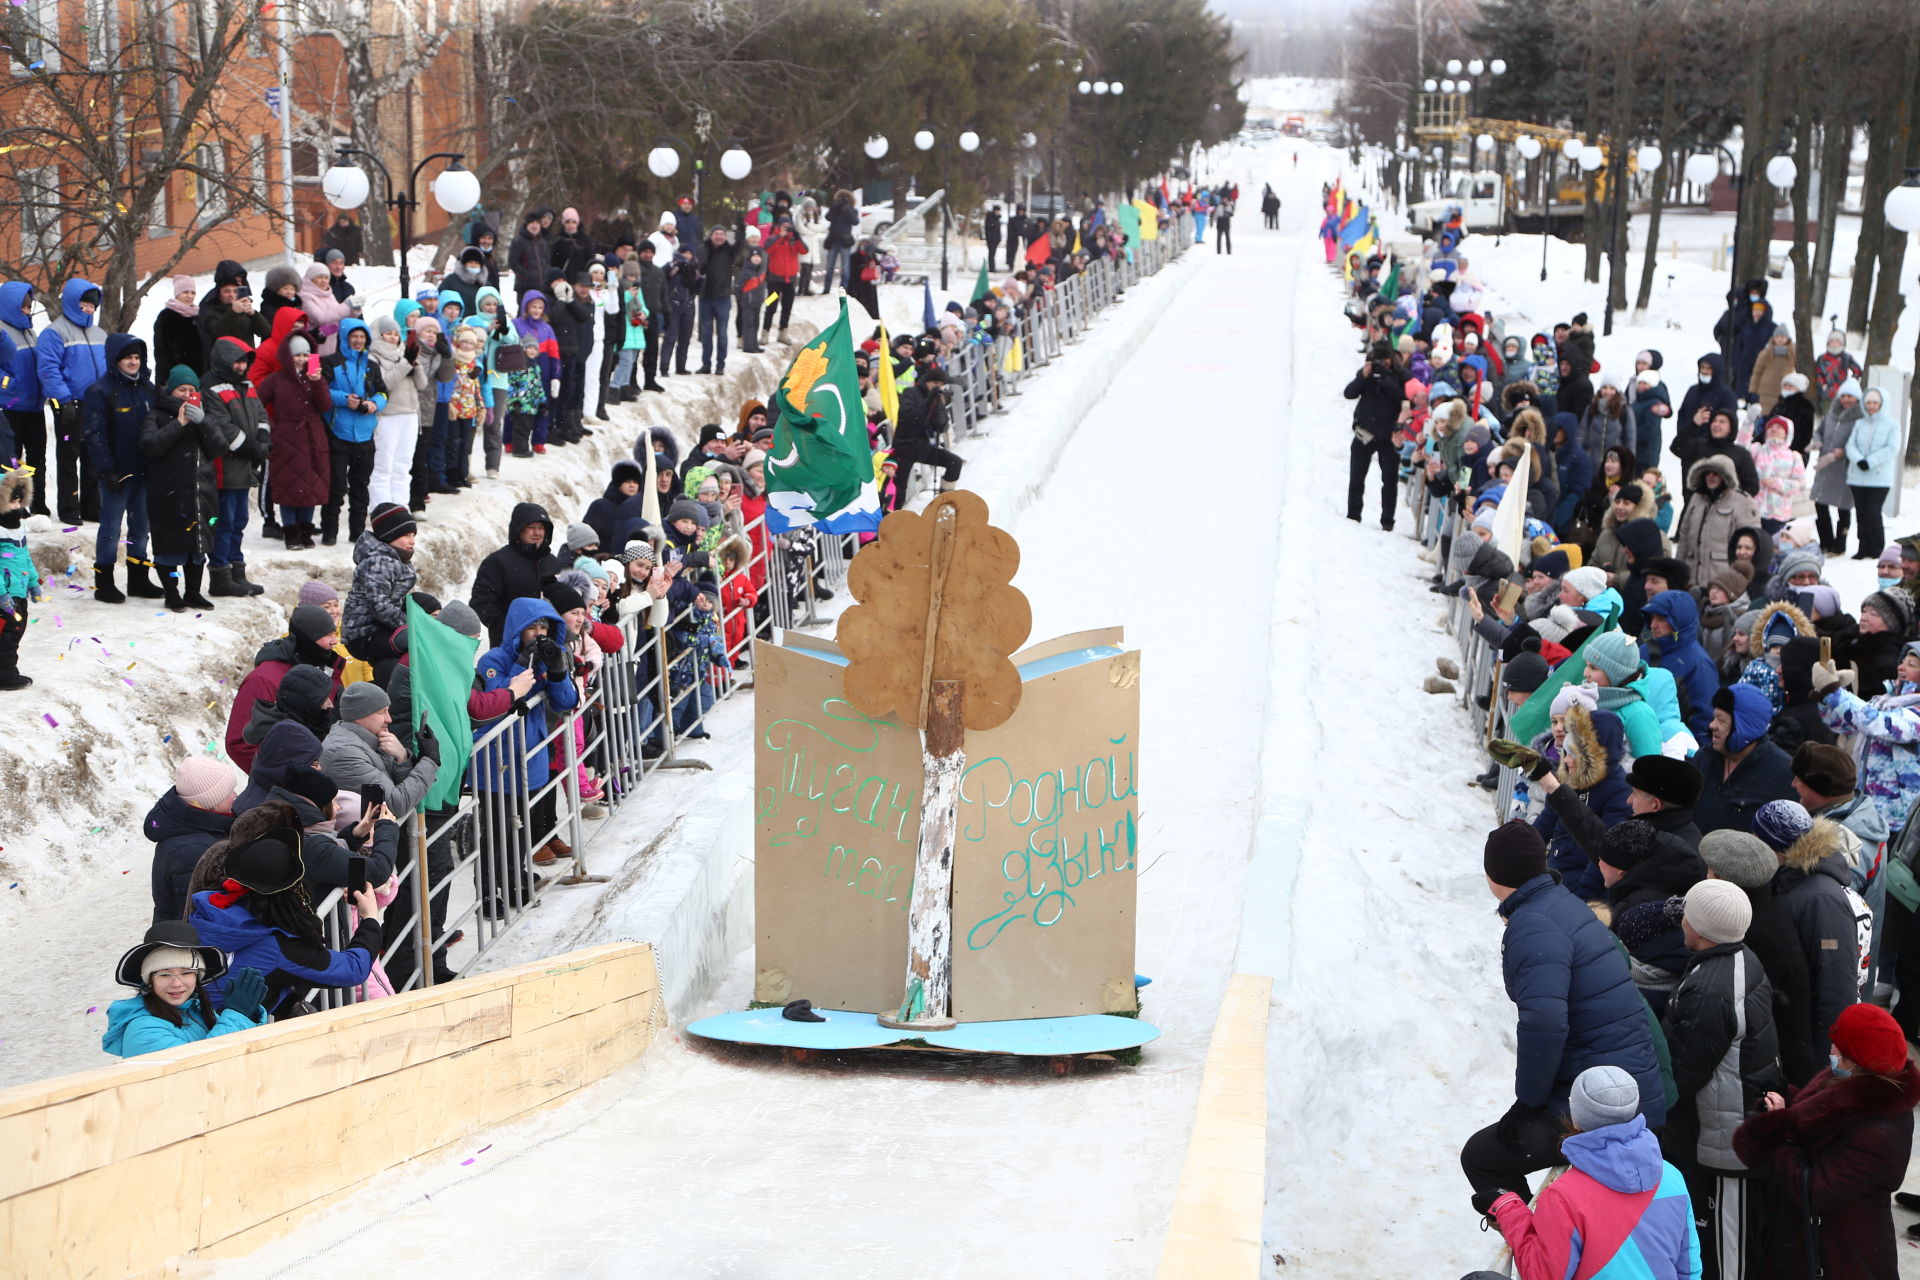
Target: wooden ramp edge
1215	1233
213	1149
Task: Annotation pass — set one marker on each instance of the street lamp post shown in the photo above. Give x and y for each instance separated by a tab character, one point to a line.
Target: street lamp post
1703	166
1099	89
346	186
969	142
663	161
1902	211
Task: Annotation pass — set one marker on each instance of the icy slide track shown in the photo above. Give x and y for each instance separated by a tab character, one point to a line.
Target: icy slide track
1200	506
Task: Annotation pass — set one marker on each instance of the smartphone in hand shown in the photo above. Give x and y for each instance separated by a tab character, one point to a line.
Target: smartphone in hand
372	796
313	365
357	873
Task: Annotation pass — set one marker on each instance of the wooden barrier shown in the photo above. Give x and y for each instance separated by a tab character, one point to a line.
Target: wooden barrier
1215	1233
217	1147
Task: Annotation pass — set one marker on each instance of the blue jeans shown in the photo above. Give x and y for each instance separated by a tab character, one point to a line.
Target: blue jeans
714	316
296	515
128	503
438	439
231	524
841	255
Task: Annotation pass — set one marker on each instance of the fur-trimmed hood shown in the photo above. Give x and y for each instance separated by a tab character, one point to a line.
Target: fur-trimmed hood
1593	747
1822	841
1511	394
1713	462
1757	635
1645	509
16	486
735	553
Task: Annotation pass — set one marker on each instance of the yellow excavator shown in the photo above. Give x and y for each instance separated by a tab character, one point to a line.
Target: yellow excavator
1491	199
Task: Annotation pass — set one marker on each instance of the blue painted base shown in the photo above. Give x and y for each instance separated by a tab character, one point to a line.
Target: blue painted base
1026	1037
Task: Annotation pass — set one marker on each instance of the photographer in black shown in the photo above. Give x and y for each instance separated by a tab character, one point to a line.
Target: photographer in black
1379	393
917	436
535	641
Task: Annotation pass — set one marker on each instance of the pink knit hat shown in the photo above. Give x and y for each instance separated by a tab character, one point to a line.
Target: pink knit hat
205	783
316	591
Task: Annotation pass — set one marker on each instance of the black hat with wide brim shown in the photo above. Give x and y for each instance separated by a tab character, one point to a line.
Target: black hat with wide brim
170	933
270	864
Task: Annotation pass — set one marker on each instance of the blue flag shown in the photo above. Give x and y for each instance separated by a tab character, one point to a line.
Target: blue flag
929	323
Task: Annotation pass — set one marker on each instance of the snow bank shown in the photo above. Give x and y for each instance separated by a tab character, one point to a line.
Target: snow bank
123	693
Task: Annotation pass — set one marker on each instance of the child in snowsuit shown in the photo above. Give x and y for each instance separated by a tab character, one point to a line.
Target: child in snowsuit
526	400
19	580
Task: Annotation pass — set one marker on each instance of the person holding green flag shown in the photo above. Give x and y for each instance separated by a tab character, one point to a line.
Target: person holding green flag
820	469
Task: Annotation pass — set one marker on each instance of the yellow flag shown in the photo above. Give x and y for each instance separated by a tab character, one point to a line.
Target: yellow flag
889	389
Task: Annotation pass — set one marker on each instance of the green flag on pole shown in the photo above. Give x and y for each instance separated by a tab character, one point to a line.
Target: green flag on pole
982	287
820	471
440	664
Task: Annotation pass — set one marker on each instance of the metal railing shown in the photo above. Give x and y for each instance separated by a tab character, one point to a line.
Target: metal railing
465	874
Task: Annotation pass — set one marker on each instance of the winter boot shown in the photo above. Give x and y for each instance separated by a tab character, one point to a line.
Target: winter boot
240	580
103	589
1448	668
140	585
600	410
195	572
1490	780
170	579
222	583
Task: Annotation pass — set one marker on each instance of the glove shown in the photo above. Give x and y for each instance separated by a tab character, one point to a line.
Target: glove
1518	1116
553	393
357	301
1826	678
1515	756
246	989
1483	1201
425	745
1863	465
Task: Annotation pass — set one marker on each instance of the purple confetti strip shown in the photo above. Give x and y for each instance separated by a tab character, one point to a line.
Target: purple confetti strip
48	717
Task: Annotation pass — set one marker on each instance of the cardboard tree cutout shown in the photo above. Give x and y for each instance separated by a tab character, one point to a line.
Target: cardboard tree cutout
930	644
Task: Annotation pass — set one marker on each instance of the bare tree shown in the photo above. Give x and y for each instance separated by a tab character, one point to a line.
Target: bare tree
385	46
142	126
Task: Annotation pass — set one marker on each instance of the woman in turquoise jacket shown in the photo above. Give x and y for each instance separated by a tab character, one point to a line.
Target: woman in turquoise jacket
173	1008
1872	463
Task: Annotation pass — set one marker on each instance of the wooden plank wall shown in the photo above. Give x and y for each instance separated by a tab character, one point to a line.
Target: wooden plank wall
215	1148
1216	1231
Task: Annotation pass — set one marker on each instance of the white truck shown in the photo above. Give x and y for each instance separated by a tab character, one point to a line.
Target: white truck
1483	199
1477	195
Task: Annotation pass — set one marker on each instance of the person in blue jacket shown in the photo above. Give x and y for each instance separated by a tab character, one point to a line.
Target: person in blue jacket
70	355
1873	462
261	915
533	639
1578	1008
25	434
170	969
1673	625
359	395
112	413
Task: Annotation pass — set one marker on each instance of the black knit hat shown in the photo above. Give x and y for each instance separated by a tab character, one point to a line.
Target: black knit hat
1626	845
563	598
1514	854
1673	782
390	520
1526	673
314	786
1555	564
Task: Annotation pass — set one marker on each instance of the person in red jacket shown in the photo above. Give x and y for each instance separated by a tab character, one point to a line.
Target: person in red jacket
737	596
784	249
1837	1149
299	466
309	641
